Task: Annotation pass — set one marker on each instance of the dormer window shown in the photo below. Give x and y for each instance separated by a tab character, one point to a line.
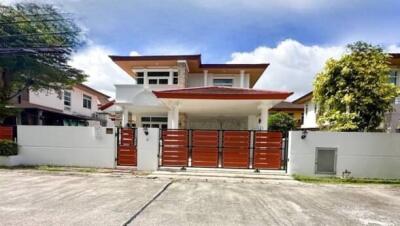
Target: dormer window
223	82
157	77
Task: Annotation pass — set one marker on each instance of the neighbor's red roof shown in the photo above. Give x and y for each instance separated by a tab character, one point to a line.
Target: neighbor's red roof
107	105
218	92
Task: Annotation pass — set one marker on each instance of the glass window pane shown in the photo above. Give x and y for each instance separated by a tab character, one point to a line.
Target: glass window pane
159	119
145	119
175	74
140	74
175	80
158	74
223	82
139	81
153	81
163	81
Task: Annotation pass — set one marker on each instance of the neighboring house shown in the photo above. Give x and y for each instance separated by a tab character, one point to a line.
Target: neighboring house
292	109
78	106
180	92
309	111
392	119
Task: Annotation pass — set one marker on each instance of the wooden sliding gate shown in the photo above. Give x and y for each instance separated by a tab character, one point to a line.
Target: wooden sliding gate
126	151
223	149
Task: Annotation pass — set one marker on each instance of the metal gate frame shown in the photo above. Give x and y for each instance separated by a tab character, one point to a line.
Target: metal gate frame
220	147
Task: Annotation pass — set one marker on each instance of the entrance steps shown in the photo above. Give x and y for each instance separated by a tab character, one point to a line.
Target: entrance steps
207	173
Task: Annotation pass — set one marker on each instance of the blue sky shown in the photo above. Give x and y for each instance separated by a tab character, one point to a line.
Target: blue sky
295	36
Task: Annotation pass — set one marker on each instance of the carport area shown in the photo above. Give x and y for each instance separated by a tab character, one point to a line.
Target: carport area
30	197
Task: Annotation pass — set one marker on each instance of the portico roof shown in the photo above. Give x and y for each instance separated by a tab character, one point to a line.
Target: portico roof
218	92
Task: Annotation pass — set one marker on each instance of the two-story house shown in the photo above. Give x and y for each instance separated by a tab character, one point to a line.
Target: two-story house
392	119
181	92
77	106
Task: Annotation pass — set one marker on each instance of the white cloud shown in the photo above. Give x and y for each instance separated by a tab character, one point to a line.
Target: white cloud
393	49
103	73
293	65
134	53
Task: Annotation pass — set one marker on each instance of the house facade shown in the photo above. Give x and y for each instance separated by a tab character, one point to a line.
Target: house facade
180	92
77	106
392	119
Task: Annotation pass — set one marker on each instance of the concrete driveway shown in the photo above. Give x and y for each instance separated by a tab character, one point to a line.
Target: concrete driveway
37	198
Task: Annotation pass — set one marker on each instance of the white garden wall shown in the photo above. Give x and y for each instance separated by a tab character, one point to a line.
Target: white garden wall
66	146
367	155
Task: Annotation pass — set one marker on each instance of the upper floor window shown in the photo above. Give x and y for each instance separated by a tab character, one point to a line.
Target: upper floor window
223	82
87	101
67	98
155	122
393	77
157	77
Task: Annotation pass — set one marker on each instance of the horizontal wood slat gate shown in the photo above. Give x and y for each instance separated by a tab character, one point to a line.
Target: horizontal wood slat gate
222	148
175	147
127	152
205	148
6	133
267	150
236	149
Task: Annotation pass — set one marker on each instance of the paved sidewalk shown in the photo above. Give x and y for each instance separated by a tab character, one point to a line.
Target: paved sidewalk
29	197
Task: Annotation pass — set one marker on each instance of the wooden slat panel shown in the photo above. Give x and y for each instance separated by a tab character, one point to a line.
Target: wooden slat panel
6	133
127	153
175	148
236	149
267	150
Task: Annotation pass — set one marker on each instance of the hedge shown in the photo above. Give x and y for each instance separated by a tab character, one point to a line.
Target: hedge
8	147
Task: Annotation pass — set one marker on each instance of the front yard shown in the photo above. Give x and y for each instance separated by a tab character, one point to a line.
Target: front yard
32	197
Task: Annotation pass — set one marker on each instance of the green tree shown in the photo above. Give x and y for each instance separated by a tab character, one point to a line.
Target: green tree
354	92
281	122
36	43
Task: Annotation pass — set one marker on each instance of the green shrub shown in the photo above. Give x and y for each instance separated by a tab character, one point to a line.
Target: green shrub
8	147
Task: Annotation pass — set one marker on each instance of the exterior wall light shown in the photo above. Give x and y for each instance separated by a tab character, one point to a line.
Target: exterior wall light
304	134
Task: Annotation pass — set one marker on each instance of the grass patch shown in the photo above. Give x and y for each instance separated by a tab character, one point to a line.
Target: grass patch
337	180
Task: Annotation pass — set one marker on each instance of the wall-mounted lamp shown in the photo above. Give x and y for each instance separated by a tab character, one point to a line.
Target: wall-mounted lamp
146	131
304	134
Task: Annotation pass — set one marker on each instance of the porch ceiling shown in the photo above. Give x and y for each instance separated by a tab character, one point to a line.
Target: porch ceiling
205	107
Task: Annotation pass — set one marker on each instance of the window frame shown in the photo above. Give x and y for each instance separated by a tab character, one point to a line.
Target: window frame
157	80
220	78
87	101
70	98
151	123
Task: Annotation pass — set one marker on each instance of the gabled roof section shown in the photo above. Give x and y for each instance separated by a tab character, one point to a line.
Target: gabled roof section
127	63
303	99
224	93
287	106
395	59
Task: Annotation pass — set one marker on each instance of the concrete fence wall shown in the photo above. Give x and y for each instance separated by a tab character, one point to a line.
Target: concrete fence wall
367	155
65	146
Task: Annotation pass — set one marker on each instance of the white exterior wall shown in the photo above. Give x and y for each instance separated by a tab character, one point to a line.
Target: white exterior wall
52	100
65	146
148	148
197	80
365	155
310	116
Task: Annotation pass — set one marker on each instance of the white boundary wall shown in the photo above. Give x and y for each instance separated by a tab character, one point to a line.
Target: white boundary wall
65	146
366	155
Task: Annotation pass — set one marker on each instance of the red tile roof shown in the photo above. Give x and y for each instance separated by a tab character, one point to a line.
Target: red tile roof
107	105
218	92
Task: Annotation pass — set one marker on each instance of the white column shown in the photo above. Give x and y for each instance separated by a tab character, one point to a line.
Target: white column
173	117
241	78
145	79
264	116
205	78
251	122
171	77
124	120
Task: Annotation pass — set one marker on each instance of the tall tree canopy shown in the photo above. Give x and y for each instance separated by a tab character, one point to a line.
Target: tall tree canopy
36	42
354	92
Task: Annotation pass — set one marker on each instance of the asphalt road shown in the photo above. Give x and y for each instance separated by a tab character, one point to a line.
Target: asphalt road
33	198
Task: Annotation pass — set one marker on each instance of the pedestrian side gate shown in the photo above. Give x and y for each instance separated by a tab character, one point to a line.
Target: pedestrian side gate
126	149
222	149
